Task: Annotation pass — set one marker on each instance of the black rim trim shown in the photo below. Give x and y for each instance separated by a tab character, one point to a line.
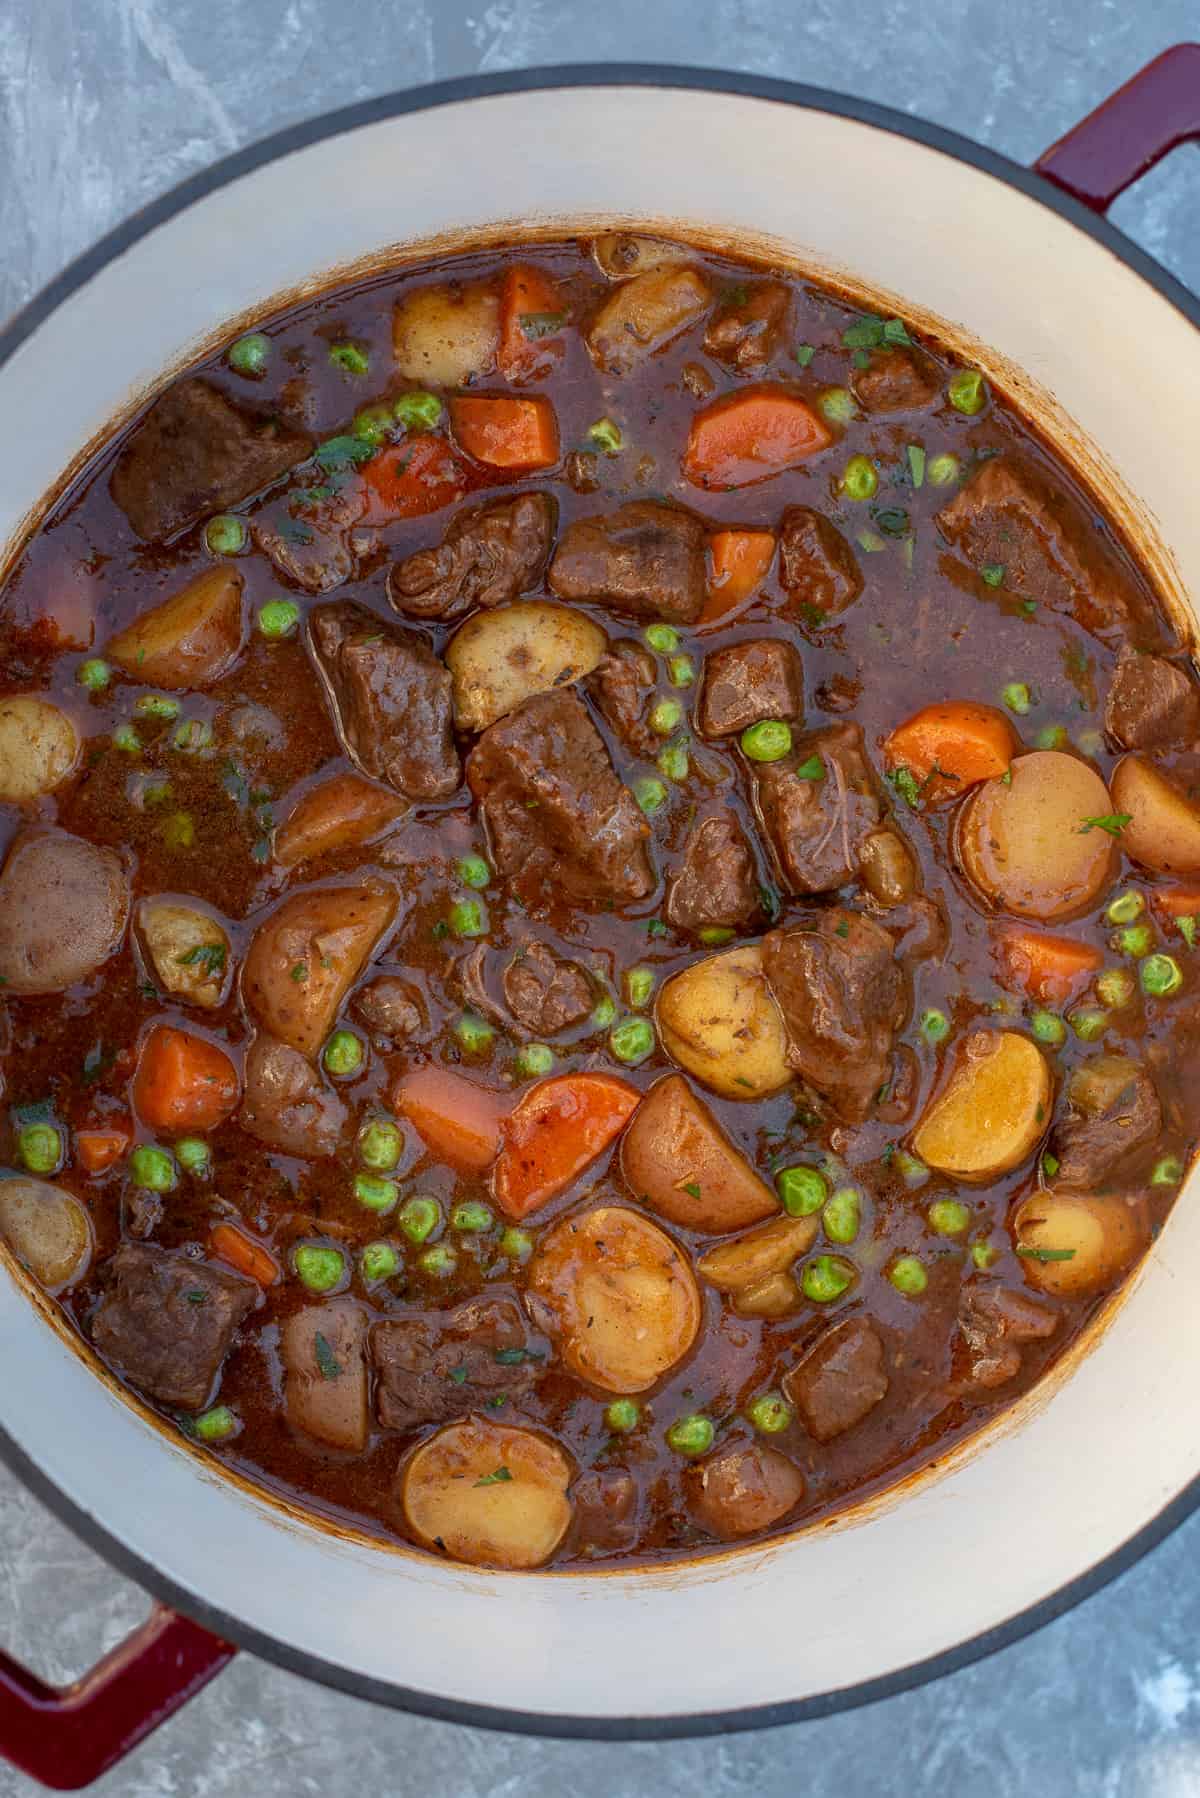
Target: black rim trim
21	326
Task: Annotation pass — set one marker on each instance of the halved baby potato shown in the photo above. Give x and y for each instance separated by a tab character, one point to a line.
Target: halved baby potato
305	957
1163	832
487	1493
341	812
190	639
617	1295
324	1353
447	334
993	1112
745	1489
622	254
719	1020
47	1229
1034	845
187	948
677	1159
756	1268
39	746
503	656
642	315
1072	1244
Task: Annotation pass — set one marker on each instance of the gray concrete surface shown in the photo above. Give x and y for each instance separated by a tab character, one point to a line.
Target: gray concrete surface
104	104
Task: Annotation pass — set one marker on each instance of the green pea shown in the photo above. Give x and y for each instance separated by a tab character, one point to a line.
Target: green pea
605	435
1125	908
225	535
859	479
379	1262
380	1144
1167	1172
983	1254
632	1040
639	984
126	739
943	470
94	674
343	1054
713	935
534	1060
914	1173
1048	1029
318	1266
802	1190
515	1244
968	391
194	1156
681	671
467	918
472	1216
1088	1023
908	1276
623	1415
152	1169
179	831
40	1147
439	1262
650	794
376	1192
837	405
373	424
1161	975
216	1425
192	735
1051	736
842	1215
662	637
691	1435
473	871
278	618
249	355
935	1025
419	1217
769	1413
475	1034
603	1012
1136	940
767	741
665	717
157	705
350	358
1115	988
418	411
825	1278
673	762
948	1217
1017	698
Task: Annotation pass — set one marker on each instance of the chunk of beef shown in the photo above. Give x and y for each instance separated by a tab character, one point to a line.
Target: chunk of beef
745	682
748	333
387	1008
582	471
1009	515
646	559
165	1321
840	1380
442	1364
1114	1113
307	533
817	827
619	686
605	1511
195	452
843	997
994	1321
557	816
489	554
287	1104
391	699
1152	704
716	886
545	992
896	379
817	567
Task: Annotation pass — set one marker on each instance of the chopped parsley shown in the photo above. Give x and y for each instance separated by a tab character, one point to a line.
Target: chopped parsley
691	1187
300	972
812	769
327	1362
98	1061
343	452
541	324
209	956
197	1296
768	898
905	783
512	1357
1046	1254
457	1374
497	1477
804	353
1112	822
656	927
871	332
842	929
916	464
1187	930
992	574
893	521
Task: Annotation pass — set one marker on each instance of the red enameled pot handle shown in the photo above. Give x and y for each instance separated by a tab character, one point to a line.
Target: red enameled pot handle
66	1736
1129	132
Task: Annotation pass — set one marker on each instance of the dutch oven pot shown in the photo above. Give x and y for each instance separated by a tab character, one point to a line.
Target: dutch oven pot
1020	272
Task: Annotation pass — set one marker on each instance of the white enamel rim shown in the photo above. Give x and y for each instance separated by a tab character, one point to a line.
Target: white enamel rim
1005	1535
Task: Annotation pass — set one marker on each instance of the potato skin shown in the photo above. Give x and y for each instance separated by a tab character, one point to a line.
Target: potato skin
621	254
719	1020
748	1488
47	1229
326	1397
328	934
1163	832
674	1143
993	1112
39	746
172	930
63	909
453	1501
502	656
1028	846
341	812
189	640
1106	1232
749	1261
447	335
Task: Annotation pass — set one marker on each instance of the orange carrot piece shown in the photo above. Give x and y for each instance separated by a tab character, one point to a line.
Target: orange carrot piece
183	1082
457	1121
532	316
751	435
504	432
419	475
947	747
1049	968
1177	902
737	566
241	1251
556	1130
98	1150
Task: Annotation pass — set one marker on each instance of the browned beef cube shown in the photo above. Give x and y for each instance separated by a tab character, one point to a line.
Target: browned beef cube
619	687
717	884
1152	704
166	1321
489	554
840	1380
606	1511
388	1008
544	992
195	452
286	1102
646	559
390	697
1114	1114
747	334
896	379
441	1364
817	567
994	1321
746	682
558	818
818	807
307	533
843	997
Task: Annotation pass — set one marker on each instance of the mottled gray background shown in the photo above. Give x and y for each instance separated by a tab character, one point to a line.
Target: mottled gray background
103	105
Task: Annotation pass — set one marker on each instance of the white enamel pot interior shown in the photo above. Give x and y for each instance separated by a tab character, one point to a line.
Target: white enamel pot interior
1091	1468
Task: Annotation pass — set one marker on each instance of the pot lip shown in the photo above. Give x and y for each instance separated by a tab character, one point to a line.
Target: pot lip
22	325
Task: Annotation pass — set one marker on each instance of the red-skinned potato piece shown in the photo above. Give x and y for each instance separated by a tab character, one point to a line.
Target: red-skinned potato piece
323	1349
190	639
742	1490
676	1159
458	1121
306	955
183	1081
1163	828
556	1130
1036	843
338	813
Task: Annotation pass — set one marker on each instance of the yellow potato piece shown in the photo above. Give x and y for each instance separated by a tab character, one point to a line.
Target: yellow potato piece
618	1295
621	254
47	1230
188	950
1029	845
759	1255
1072	1244
190	639
1163	831
305	957
719	1020
642	315
340	812
39	746
676	1159
447	334
488	1493
993	1112
501	657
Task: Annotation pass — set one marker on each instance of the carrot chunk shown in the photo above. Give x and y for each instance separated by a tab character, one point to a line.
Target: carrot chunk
751	435
533	315
1049	968
457	1121
946	748
421	474
241	1251
183	1082
737	566
556	1130
505	432
98	1150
